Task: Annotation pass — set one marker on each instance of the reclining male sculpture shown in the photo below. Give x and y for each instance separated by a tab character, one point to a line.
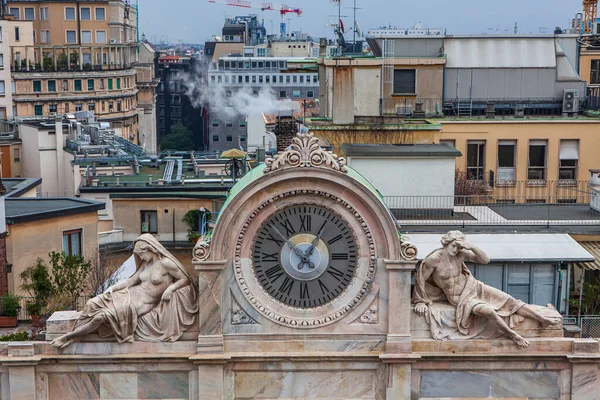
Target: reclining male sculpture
444	277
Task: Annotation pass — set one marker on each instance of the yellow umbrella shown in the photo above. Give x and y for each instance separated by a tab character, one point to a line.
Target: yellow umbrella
233	153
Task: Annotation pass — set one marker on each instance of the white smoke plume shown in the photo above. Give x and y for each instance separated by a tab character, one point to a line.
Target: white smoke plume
228	101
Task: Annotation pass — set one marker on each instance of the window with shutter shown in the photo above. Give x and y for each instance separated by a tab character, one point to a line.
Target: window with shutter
404	81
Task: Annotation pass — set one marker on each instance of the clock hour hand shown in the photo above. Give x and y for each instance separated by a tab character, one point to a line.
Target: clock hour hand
298	252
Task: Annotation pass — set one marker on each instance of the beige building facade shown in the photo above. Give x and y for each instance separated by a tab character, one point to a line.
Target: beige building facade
353	87
14	35
567	148
83	57
589	69
75	230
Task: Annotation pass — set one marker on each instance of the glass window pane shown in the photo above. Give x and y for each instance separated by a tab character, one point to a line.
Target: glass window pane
100	37
29	14
506	156
100	14
86	36
65	244
537	156
70	13
75	243
518	274
543	280
519	292
85	14
491	275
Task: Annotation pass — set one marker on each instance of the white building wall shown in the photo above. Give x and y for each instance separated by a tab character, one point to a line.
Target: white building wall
258	135
31	152
367	87
410	177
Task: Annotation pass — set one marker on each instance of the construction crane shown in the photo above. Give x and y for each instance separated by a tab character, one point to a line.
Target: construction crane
283	9
590	13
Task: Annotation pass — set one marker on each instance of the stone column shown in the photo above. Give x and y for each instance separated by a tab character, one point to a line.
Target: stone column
585	379
22	382
399	279
210	336
211	385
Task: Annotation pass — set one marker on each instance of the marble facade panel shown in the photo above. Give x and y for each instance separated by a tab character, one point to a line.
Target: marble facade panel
585	383
73	386
455	384
118	386
305	384
530	384
163	385
21	383
4	386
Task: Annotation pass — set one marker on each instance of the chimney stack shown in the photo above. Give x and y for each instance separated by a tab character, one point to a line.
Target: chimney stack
285	131
322	47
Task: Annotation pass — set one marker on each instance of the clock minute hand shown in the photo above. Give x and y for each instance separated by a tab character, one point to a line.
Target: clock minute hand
298	252
314	242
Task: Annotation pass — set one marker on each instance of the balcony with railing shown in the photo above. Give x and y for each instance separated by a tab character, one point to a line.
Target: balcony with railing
540	206
73	57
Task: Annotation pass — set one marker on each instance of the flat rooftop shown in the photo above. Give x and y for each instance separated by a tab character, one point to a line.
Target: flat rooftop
15	187
400	150
31	209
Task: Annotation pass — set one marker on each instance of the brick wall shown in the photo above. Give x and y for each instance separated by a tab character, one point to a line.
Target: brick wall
3	270
285	131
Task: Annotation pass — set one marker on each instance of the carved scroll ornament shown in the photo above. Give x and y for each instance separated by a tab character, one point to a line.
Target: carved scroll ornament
201	250
306	152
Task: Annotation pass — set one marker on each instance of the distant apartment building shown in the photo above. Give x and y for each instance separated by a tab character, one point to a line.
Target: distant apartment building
13	34
499	100
589	69
174	105
147	81
504	74
83	57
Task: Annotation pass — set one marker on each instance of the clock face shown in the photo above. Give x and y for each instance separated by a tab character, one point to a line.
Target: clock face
304	256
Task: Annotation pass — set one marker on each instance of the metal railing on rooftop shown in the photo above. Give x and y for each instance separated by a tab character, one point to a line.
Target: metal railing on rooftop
419	107
489	210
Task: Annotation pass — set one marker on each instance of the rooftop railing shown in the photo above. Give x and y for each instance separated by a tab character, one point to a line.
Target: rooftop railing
480	210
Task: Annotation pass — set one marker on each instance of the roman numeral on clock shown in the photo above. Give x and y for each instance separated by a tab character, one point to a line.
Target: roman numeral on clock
324	289
333	240
269	257
274	273
286	286
336	273
289	229
305	223
304	291
273	239
339	256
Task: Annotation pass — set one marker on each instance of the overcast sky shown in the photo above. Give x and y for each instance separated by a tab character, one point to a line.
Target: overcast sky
195	21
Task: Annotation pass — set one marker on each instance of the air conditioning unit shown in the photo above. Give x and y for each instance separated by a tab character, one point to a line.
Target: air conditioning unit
113	41
570	101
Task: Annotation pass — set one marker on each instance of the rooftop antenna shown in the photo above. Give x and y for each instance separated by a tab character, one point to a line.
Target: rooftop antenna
354	25
516	28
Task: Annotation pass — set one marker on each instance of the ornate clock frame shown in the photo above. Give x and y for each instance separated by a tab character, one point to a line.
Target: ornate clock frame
234	308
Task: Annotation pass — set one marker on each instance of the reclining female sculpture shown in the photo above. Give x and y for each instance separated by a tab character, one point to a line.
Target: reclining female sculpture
443	276
157	303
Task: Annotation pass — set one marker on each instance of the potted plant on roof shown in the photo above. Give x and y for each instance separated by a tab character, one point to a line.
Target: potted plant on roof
10	310
37	282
